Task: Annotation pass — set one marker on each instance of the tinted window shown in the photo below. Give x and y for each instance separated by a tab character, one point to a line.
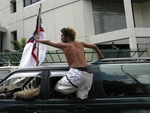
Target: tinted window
126	79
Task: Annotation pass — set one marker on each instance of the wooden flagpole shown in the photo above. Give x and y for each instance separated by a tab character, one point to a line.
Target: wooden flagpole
38	33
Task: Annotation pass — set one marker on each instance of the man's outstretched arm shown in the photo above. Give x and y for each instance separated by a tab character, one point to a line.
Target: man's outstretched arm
50	43
92	46
98	52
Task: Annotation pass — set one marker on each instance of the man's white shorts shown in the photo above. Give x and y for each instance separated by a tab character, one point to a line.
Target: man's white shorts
75	80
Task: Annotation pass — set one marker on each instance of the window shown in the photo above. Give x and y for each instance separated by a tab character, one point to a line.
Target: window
54	78
29	2
20	81
14	35
126	79
3	73
1	42
115	50
13	7
108	15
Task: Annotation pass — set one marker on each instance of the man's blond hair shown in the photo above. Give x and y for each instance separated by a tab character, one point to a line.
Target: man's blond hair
69	32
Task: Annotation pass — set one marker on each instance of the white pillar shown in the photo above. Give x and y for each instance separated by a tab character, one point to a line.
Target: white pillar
88	17
130	26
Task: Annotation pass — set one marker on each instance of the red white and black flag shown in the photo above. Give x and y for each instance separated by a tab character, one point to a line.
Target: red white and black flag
29	55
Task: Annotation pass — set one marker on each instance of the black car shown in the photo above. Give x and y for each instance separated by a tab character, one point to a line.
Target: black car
120	85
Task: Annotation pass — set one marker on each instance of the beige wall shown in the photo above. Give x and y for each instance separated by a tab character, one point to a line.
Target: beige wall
137	15
142	14
77	14
55	14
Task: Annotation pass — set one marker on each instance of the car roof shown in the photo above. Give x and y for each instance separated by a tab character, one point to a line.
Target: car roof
9	67
61	67
44	67
122	60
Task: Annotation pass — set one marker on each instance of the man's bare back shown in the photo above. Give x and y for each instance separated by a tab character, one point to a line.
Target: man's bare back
74	52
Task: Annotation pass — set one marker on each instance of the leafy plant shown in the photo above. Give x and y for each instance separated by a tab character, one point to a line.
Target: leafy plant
18	46
14	56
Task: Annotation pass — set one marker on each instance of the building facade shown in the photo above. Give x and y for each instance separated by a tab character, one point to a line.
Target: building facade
125	24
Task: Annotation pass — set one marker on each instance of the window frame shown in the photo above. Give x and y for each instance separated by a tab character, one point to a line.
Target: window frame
30	2
13	5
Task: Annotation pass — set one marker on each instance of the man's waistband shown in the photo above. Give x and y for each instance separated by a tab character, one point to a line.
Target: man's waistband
86	69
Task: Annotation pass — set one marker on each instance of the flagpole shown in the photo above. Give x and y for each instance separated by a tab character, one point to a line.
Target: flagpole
38	33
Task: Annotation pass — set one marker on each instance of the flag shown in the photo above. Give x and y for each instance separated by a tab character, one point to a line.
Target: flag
29	54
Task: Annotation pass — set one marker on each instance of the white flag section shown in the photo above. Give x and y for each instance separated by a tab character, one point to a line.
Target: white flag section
29	54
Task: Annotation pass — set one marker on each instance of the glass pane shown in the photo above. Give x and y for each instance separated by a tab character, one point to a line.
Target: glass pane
108	16
27	2
17	80
126	79
34	1
3	73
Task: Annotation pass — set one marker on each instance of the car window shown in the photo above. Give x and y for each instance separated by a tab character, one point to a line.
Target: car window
24	75
3	73
20	81
17	79
126	79
55	76
5	70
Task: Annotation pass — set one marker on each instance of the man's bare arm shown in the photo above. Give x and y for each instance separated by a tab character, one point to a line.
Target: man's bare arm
92	46
50	43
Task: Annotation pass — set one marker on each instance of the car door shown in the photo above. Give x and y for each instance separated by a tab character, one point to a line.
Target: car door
123	105
68	106
124	88
64	103
21	106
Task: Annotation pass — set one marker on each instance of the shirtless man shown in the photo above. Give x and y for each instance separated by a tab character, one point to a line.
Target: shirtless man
79	77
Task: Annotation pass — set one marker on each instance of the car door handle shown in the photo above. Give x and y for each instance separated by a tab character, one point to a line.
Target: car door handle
31	109
80	108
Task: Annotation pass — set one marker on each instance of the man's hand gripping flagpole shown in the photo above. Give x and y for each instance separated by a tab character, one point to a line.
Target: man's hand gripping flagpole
38	33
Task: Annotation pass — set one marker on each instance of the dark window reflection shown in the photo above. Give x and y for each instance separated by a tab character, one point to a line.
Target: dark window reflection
126	79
